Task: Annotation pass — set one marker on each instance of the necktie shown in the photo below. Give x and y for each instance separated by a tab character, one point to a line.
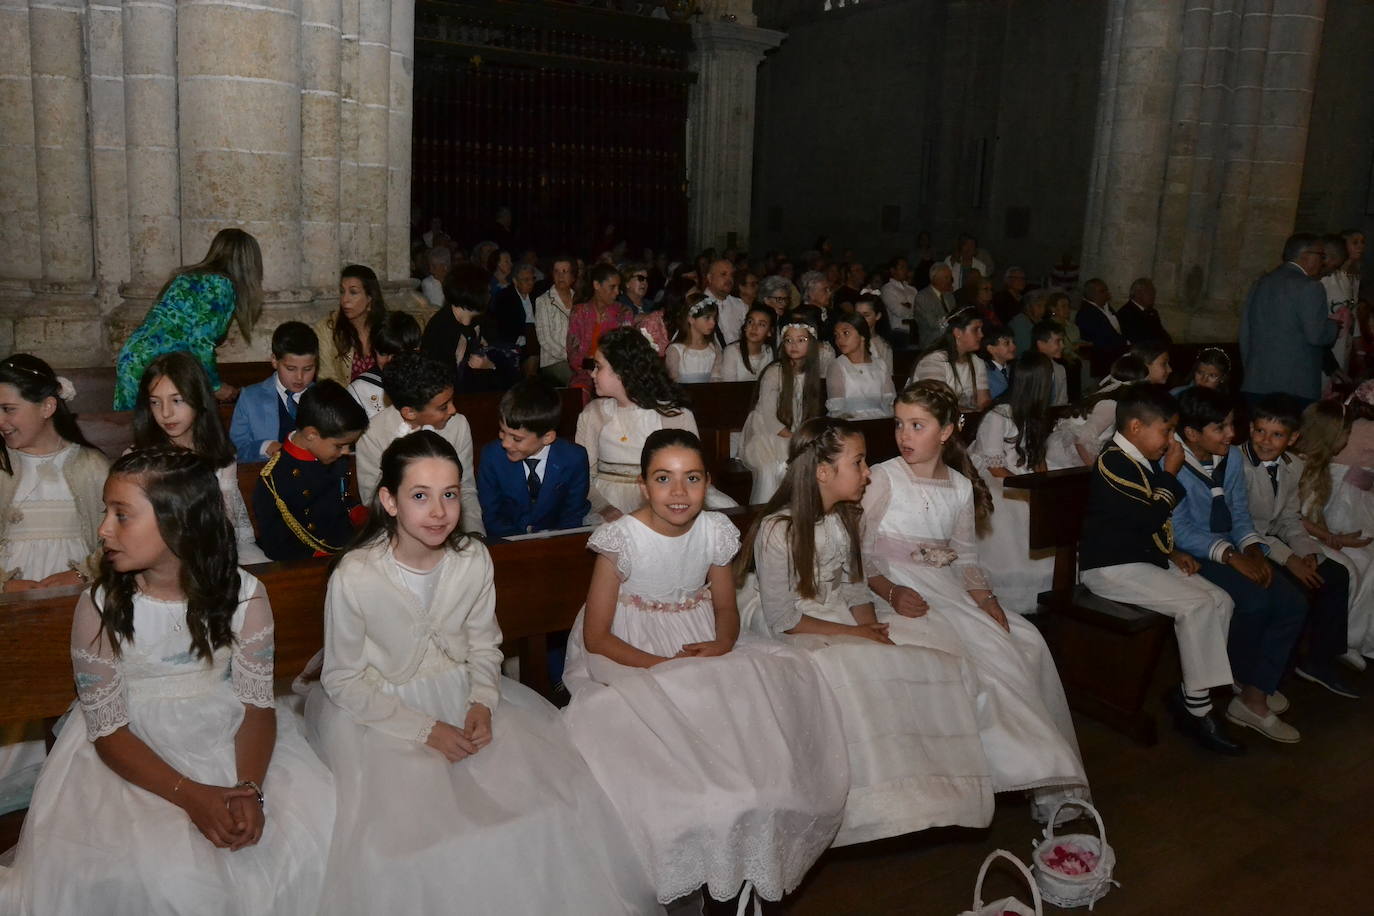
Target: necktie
1221	513
291	405
1273	468
532	481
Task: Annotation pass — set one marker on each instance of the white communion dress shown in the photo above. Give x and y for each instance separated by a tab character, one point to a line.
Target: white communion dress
859	391
518	827
95	843
725	769
1017	576
614	438
919	533
911	731
762	450
691	367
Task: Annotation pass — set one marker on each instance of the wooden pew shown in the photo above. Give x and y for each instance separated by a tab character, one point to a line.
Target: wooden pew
1106	651
721	408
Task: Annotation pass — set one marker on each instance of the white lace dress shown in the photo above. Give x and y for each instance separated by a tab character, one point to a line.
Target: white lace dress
1018	576
614	438
519	827
919	533
725	769
915	758
237	509
690	367
860	391
733	369
762	450
93	842
1090	431
967	379
44	534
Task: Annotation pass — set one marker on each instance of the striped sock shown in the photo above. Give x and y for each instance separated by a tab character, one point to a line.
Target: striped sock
1198	702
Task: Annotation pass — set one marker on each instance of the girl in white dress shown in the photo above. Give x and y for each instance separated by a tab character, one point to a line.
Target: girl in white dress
953	359
788	393
869	307
1011	441
457	789
743	360
1078	438
857	386
694	354
49	510
178	787
175	406
634	398
906	694
921	514
725	759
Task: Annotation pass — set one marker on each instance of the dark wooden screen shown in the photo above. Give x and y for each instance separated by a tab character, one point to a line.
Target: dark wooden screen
573	117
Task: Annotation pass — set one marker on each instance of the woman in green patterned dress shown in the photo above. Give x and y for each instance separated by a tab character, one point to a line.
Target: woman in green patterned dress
192	313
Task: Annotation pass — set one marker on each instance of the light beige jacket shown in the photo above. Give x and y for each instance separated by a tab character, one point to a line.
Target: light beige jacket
85	473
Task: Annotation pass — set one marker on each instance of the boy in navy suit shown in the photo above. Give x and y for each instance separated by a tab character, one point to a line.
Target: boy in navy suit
266	412
531	480
301	499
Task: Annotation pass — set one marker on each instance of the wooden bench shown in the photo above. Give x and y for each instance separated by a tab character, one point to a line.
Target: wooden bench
1106	652
720	409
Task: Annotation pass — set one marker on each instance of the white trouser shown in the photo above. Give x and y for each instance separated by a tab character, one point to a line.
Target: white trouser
1201	612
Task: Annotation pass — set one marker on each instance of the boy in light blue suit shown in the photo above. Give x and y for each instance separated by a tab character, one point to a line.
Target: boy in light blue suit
529	479
266	412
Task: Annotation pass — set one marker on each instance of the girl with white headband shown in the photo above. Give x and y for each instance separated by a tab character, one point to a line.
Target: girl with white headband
788	393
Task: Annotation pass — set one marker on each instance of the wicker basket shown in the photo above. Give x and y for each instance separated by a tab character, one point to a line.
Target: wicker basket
1074	890
1006	904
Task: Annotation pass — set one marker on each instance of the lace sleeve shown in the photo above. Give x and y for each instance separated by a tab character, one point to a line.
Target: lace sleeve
1100	419
876	500
764	417
251	664
672	360
989	446
237	509
773	564
933	367
99	677
836	389
724	540
611	541
964	541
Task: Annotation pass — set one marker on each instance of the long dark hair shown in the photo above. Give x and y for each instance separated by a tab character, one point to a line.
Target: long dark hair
208	437
813	405
641	372
346	339
1031	383
189	508
819	440
943	404
946	344
770	346
36	381
398	457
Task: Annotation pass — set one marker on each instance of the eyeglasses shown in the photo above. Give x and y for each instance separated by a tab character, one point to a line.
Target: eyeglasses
780	297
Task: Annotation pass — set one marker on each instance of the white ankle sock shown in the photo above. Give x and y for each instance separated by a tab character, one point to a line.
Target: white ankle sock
1197	702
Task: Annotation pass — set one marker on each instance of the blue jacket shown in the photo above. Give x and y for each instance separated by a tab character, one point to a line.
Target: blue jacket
1192	516
258	417
501	488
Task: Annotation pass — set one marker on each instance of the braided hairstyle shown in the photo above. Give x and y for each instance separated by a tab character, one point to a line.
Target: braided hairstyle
943	404
188	505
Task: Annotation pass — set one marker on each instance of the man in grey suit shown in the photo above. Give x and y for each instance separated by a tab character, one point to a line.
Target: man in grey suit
1285	328
933	305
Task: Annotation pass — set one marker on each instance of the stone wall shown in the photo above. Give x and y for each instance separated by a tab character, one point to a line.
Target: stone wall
132	133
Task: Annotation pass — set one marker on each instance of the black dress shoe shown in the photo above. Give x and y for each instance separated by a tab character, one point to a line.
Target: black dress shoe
1206	731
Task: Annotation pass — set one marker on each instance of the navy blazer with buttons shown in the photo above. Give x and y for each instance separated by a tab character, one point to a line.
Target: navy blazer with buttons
1107	341
504	493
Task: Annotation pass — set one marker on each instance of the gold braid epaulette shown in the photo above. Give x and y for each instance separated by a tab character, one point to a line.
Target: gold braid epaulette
1166	546
305	537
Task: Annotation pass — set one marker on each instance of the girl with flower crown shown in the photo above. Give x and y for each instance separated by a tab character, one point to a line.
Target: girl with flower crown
788	393
694	354
50	508
952	359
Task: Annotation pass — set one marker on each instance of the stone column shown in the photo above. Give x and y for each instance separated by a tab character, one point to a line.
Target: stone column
20	258
402	94
372	97
109	168
720	140
238	74
63	153
150	117
320	59
1201	135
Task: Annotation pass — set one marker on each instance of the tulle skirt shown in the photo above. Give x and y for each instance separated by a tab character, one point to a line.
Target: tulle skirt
520	827
94	843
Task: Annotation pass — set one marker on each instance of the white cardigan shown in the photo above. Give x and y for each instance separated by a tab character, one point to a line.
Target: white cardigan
388	426
374	625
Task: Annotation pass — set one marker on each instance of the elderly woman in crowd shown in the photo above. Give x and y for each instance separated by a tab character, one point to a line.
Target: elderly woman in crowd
440	261
634	287
776	293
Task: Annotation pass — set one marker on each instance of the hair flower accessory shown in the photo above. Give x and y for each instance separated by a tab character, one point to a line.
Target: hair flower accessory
934	555
649	337
798	325
703	307
65	389
870	291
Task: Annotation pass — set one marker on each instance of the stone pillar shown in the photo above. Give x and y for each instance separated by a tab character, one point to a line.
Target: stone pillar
20	258
1201	135
63	153
320	59
401	100
238	74
720	138
109	168
150	117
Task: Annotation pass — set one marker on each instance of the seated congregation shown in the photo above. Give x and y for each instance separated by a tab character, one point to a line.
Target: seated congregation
858	653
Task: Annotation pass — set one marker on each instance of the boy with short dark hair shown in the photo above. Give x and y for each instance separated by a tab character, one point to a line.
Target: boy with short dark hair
399	333
421	394
1127	553
266	412
1048	337
999	350
301	499
1272	476
1214	524
530	479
